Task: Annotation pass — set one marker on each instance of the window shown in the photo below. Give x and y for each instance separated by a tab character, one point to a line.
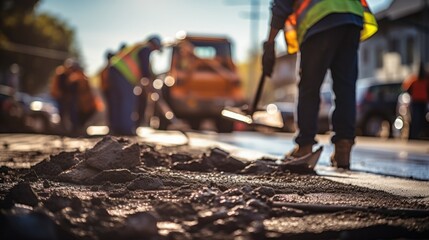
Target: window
365	56
206	52
410	51
393	45
379	56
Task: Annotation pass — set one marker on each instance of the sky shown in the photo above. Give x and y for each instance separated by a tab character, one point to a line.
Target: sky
102	25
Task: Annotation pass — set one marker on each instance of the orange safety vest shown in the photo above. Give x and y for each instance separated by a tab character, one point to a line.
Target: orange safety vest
418	88
308	12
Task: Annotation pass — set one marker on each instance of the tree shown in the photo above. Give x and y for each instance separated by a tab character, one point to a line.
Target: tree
37	42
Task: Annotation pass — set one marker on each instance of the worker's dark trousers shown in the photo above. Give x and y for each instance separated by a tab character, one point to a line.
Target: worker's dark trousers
335	49
123	104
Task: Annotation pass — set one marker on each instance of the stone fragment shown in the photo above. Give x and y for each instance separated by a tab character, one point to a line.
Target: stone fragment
145	182
222	161
197	165
110	154
114	176
21	193
80	174
259	167
180	157
56	164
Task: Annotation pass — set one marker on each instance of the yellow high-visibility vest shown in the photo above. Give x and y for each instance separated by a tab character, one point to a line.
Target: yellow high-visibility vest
128	64
309	12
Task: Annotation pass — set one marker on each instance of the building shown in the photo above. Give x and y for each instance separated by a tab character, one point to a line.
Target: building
392	53
401	42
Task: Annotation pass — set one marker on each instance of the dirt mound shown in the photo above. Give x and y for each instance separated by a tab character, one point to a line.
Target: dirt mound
121	189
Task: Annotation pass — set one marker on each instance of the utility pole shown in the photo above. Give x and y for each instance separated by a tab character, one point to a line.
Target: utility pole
425	32
254	16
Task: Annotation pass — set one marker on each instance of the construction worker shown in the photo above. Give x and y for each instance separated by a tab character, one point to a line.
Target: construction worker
127	69
70	88
104	83
418	88
327	34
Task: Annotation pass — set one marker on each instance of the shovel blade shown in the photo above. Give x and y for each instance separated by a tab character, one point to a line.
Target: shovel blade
268	119
258	118
237	114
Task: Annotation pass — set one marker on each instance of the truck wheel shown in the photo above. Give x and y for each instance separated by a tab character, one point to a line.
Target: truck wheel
162	122
195	123
224	125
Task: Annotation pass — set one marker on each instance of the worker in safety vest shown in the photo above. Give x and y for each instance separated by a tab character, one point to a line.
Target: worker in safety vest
104	83
77	103
128	68
417	85
327	34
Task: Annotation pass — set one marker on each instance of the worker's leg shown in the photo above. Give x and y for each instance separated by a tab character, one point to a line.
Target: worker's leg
114	101
344	70
418	112
127	108
74	109
123	104
316	54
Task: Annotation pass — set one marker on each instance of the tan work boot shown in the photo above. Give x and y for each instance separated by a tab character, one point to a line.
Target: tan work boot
340	158
300	151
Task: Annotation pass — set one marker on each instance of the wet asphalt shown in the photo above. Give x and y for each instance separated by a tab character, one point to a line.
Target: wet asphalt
391	157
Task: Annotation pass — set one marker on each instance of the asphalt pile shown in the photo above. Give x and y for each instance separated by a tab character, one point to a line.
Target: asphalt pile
121	189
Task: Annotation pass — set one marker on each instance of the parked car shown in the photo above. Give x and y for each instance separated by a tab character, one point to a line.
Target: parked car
375	112
21	112
403	119
376	107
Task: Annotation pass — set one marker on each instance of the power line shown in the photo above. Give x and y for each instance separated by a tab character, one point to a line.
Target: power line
254	15
35	51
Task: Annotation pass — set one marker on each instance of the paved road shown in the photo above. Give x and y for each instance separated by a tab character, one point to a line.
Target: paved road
400	158
392	158
388	165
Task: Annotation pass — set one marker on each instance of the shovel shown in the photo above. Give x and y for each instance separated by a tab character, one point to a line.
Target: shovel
252	116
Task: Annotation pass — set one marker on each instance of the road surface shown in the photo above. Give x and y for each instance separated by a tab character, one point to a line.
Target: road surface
395	166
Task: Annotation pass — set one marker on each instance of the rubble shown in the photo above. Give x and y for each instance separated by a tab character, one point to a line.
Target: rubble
145	182
110	154
121	189
21	193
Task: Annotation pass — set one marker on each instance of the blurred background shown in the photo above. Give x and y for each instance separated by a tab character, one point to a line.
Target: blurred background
37	36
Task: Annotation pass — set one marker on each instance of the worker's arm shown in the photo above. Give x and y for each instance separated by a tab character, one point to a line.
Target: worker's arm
272	35
280	11
144	57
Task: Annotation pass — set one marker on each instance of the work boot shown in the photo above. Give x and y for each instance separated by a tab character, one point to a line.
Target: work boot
300	151
340	158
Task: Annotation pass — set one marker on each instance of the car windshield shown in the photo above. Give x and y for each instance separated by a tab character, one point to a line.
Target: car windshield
387	92
205	49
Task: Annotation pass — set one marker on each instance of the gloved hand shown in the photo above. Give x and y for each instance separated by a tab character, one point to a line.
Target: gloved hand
268	58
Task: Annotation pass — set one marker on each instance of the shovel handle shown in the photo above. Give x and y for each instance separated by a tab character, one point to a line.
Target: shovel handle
258	94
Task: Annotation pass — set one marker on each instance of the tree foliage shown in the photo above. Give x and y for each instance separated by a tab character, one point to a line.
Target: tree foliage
37	42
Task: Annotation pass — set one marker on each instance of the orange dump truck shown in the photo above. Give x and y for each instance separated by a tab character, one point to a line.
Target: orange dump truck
202	80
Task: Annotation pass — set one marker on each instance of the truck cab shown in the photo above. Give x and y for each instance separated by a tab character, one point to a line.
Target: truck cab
202	80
